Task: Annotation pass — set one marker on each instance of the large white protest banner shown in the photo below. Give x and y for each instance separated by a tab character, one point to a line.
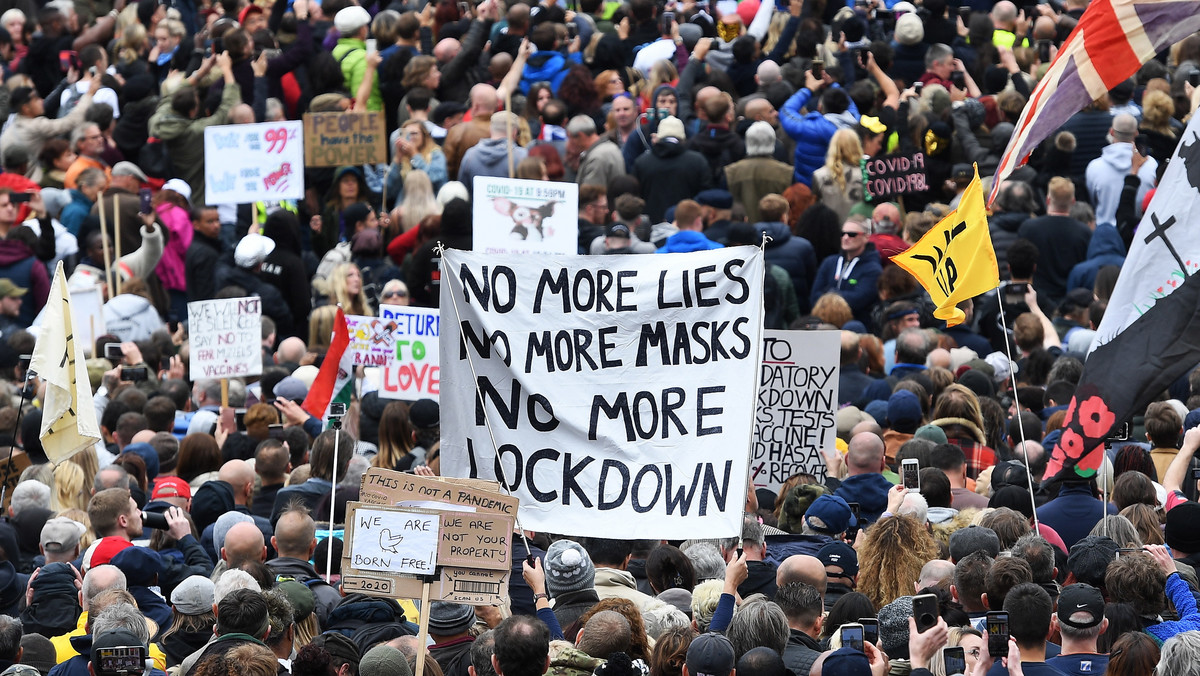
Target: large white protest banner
512	215
225	337
616	392
414	371
251	162
797	402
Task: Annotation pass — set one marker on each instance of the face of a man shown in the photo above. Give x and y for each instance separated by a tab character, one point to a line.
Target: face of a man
209	224
8	211
92	143
10	306
943	68
854	239
624	114
255	21
133	524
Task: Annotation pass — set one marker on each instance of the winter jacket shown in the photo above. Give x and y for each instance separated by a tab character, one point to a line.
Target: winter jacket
369	620
668	174
571	606
285	270
171	267
1003	227
760	579
31	133
351	54
326	596
612	583
870	491
600	163
273	305
75	211
686	241
1073	513
1106	248
801	652
77	664
462	138
794	254
812	132
1185	605
840	199
185	136
751	179
572	661
547	66
908	62
19	265
780	547
464	70
1090	128
131	317
488	158
200	267
721	147
1062	244
1106	177
857	287
453	656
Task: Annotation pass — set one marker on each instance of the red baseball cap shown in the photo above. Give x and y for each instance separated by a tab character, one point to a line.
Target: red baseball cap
247	11
171	487
104	550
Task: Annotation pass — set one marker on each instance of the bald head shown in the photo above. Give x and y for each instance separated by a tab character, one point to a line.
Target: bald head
865	454
936	573
499	65
290	351
702	96
295	534
768	73
802	568
239	475
143	437
241	114
850	347
939	357
446	49
759	110
1037	457
243	543
1004	13
867	427
1044	28
483	99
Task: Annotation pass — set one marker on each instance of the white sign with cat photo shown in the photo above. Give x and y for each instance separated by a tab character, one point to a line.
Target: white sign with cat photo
517	216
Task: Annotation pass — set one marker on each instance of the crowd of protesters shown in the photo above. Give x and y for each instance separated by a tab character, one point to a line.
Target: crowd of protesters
195	540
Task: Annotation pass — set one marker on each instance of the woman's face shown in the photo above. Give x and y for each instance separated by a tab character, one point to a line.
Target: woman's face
543	96
615	85
972	649
354	279
16	28
348	187
65	160
667	100
164	41
433	79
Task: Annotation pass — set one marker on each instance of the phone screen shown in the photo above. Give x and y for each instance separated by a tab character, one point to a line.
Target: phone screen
144	201
997	629
852	636
912	474
955	660
1015	293
870	629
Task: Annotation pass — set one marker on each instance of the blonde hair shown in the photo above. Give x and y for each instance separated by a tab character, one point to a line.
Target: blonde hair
1157	110
775	31
357	305
704	602
845	151
419	200
70	488
661	73
89	462
80	516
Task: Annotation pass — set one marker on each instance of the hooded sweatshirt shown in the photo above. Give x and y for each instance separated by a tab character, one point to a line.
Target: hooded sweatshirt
869	491
668	174
792	253
547	66
1106	177
488	158
1106	248
812	132
131	317
18	263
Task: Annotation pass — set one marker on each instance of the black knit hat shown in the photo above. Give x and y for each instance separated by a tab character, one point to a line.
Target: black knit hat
1181	533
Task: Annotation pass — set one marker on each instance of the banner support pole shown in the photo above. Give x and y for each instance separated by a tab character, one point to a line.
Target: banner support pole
1013	379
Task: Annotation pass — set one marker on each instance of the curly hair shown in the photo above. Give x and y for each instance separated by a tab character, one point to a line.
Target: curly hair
578	91
639	646
670	652
891	557
833	309
1136	579
1157	110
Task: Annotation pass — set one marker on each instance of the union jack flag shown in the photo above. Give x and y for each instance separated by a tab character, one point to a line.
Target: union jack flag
1112	40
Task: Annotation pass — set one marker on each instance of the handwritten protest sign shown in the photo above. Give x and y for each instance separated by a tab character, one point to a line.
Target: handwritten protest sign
226	338
414	370
797	401
344	139
616	392
388	487
393	540
472	586
251	162
517	216
895	175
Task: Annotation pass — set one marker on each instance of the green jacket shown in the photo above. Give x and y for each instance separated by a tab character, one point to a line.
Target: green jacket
185	136
573	662
351	54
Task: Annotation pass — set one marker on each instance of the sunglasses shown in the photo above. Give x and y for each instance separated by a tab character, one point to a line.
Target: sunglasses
852	235
398	294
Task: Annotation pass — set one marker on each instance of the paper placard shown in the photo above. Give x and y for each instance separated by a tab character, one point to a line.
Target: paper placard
226	338
457	585
518	216
475	540
797	402
389	487
344	139
394	540
251	162
414	369
894	175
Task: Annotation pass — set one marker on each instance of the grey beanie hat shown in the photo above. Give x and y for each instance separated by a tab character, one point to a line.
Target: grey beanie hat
893	624
383	660
449	619
568	568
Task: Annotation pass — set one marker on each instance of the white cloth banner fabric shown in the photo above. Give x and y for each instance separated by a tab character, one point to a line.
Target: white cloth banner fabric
620	390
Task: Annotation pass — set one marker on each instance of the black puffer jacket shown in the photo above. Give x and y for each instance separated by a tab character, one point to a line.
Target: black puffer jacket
670	173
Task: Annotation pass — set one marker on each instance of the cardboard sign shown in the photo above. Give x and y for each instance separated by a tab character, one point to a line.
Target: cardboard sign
518	216
251	162
414	368
19	463
389	487
344	139
393	540
895	175
226	338
457	585
602	391
797	401
475	540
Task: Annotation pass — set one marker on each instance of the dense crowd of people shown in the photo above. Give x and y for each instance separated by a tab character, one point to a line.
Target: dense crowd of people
195	538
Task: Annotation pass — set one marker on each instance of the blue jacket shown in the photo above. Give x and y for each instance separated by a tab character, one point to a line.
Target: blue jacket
1073	513
812	132
1185	605
870	491
792	253
858	288
75	211
1106	248
780	547
547	66
686	241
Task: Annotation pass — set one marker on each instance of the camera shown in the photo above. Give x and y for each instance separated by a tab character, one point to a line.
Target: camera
155	520
337	410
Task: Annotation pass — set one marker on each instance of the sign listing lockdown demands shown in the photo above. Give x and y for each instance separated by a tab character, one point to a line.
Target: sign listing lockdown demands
251	162
226	338
621	391
797	403
413	371
344	139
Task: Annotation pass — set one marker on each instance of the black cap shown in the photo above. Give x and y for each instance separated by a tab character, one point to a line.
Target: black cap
617	230
20	96
445	110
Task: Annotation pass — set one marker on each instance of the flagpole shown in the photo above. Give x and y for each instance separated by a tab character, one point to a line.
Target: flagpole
12	446
337	438
1012	375
108	279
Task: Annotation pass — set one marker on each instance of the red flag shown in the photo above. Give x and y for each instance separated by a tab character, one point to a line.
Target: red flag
333	377
1111	42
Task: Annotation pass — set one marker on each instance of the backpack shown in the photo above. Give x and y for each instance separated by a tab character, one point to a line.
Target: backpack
73	97
154	159
368	620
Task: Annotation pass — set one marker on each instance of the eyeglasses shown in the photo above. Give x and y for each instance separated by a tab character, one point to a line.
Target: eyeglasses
397	294
851	235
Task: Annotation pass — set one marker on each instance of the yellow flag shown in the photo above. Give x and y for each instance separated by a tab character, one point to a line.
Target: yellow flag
955	261
68	416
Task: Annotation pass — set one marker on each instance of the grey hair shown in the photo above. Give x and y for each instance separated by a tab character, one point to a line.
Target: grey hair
581	124
1120	529
752	533
121	617
65	6
30	494
937	53
359	464
92	588
706	560
232	580
1084	213
1076	633
91	178
10	637
916	506
760	139
237	392
79	132
661	619
12	14
121	482
1180	655
758	623
482	649
274	108
1038	553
